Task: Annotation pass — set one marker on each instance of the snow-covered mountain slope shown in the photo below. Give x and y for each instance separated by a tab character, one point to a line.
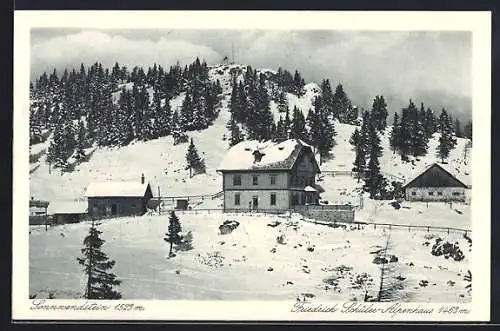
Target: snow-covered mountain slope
163	164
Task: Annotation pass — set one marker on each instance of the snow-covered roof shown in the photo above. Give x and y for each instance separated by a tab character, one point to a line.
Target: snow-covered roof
116	189
465	179
67	207
273	155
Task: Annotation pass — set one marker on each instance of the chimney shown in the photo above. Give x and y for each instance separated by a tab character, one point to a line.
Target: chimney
257	156
142	179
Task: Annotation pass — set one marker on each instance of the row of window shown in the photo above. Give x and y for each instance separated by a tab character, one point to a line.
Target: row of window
254	203
439	193
255	180
296	180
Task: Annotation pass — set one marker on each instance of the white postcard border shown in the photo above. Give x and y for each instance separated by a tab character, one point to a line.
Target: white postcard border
479	23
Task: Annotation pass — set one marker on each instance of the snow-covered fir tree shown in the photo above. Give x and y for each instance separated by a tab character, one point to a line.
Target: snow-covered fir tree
394	137
81	141
173	236
236	134
298	126
194	163
374	181
447	141
379	113
96	267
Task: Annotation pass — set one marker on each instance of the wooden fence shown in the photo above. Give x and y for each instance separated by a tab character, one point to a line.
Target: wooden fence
356	173
426	228
190	197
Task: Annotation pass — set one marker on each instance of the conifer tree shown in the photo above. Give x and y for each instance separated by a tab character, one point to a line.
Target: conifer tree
298	126
193	160
35	124
282	102
394	138
405	133
379	113
125	114
56	153
298	84
287	122
173	234
96	265
341	104
327	133
313	121
281	131
234	100
186	114
360	148
430	123
374	180
178	133
236	134
353	140
328	106
420	139
447	140
80	141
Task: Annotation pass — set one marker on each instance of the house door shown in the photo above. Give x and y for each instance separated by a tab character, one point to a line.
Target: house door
255	202
114	209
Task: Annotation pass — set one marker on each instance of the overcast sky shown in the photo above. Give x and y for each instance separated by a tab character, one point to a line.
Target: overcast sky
424	66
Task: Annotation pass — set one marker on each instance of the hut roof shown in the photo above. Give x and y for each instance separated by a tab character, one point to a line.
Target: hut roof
117	189
67	207
458	179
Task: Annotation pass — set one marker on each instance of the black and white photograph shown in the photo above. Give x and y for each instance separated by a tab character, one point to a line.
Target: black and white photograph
306	166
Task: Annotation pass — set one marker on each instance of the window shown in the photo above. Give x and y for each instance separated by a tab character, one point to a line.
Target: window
237	180
236	199
440	193
456	193
413	193
255	180
273	179
431	193
273	199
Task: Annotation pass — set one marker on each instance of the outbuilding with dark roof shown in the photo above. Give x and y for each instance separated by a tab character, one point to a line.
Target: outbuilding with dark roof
113	199
435	183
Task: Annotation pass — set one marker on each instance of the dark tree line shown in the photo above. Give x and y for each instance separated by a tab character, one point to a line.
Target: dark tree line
86	107
411	133
287	83
251	117
250	106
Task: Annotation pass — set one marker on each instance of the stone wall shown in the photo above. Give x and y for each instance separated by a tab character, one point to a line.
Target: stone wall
334	214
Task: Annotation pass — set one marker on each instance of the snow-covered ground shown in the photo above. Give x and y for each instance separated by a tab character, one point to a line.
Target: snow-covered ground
137	246
249	263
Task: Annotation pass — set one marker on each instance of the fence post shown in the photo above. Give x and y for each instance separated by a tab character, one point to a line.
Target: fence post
448	230
409	228
427	228
390	226
374	226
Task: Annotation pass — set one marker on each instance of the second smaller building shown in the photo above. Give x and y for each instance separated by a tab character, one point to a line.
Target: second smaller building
435	183
113	199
